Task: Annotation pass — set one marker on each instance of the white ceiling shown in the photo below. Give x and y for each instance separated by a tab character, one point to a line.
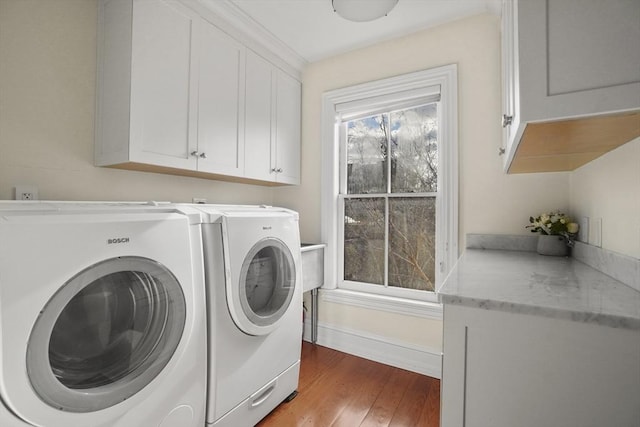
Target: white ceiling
314	32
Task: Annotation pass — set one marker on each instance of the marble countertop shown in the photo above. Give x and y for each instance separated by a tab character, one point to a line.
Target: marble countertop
528	283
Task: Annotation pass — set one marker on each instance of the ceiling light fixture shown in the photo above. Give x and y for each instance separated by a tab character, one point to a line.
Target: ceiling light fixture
363	10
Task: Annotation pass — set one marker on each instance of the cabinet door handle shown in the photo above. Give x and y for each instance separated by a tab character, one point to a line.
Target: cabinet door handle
203	155
501	151
195	153
278	170
506	120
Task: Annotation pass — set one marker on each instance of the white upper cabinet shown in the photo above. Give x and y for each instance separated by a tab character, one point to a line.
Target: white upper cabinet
171	98
145	84
220	103
571	81
272	123
287	147
259	118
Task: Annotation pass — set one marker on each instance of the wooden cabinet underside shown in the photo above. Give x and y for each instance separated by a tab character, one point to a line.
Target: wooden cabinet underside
567	145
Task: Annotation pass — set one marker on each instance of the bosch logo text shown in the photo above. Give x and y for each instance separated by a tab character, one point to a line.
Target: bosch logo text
118	240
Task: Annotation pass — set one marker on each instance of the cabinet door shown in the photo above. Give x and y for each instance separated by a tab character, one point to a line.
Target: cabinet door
510	90
259	112
163	96
509	369
220	102
578	57
287	147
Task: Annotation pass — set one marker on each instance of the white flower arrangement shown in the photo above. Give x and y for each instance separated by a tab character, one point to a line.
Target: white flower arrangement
553	223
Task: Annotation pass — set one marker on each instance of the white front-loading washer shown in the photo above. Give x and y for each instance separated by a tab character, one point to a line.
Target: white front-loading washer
254	295
102	315
7	419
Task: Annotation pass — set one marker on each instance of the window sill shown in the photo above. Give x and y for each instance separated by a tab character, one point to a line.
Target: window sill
423	309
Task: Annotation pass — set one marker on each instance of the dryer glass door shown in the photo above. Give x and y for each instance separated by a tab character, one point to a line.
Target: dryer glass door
267	282
105	334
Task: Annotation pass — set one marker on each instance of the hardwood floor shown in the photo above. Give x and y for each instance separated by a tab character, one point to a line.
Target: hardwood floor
341	390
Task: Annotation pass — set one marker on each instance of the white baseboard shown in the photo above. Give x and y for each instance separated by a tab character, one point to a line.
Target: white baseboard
423	360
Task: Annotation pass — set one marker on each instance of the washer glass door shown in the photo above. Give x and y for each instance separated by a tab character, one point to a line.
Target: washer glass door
267	282
105	334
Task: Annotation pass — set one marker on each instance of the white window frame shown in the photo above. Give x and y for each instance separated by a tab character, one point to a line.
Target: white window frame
447	200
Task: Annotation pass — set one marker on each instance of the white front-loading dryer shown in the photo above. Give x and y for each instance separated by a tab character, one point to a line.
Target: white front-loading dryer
254	295
102	315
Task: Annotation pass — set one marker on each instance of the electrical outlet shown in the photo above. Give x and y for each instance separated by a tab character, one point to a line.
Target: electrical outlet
596	233
583	231
26	192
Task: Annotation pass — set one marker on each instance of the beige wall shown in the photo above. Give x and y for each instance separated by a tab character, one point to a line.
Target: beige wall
47	98
490	201
609	188
421	331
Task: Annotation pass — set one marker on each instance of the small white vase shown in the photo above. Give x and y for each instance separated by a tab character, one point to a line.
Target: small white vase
552	245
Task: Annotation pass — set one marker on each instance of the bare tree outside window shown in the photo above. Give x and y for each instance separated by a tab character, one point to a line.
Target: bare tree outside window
389	209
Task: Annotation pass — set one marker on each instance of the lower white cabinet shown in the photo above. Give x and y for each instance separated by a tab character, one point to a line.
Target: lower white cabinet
272	122
504	369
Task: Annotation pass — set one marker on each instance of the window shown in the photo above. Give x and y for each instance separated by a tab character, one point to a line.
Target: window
389	171
389	184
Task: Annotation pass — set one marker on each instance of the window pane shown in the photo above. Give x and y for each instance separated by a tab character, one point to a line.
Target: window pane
412	239
414	149
366	155
364	240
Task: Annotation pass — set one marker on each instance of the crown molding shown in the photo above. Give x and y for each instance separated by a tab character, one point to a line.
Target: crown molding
233	20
